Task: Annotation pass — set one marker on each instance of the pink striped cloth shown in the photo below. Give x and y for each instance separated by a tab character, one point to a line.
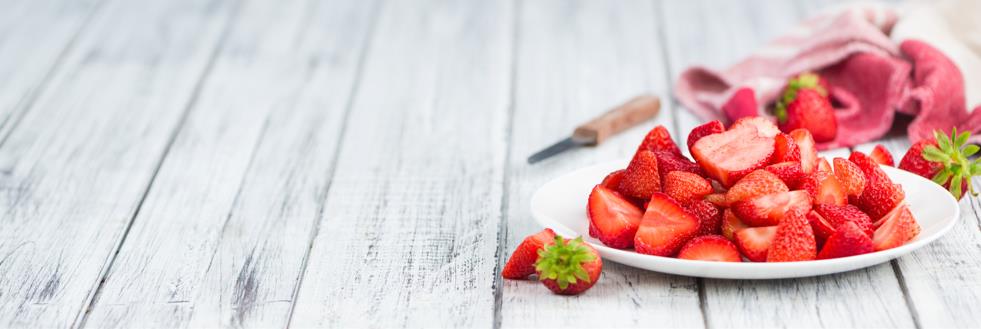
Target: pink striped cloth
871	77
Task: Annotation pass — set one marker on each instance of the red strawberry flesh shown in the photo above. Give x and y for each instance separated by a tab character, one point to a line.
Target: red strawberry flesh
666	226
730	155
612	218
713	248
755	242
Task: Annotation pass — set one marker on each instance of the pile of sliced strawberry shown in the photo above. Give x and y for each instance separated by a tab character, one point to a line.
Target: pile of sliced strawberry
753	193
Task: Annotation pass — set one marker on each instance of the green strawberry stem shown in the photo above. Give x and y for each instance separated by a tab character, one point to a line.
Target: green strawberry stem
954	154
562	261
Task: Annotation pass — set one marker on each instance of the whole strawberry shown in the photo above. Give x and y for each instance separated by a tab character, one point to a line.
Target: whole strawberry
805	105
568	267
945	160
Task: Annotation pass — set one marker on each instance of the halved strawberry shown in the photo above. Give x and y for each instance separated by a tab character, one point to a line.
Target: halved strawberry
849	240
823	164
709	217
711	127
612	181
823	186
731	224
668	161
717	199
730	155
794	240
612	218
788	172
895	229
763	126
808	152
757	183
658	139
839	215
821	226
666	226
770	209
521	264
881	155
641	177
755	242
880	194
785	149
713	248
850	177
685	186
568	267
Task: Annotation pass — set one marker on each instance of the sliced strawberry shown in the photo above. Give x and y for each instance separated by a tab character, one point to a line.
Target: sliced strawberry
822	228
659	139
788	172
839	215
755	242
823	186
612	218
612	181
808	152
849	240
641	177
785	149
717	199
880	194
730	155
731	224
709	217
742	104
763	126
685	186
881	156
668	161
823	165
711	127
568	267
770	209
895	229
757	183
713	248
521	264
850	177
666	226
794	240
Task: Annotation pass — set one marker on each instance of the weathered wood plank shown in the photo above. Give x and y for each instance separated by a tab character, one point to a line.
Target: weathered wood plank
223	234
724	33
940	279
76	168
409	232
34	37
575	60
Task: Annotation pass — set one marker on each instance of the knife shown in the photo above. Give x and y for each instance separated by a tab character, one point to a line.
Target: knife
597	130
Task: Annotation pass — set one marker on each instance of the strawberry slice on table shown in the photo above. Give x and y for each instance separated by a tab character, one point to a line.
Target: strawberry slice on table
521	264
794	240
789	172
881	155
880	194
895	229
659	139
711	127
568	267
785	148
849	240
755	242
612	219
805	105
823	186
666	226
709	217
612	181
685	186
731	224
641	177
770	209
839	215
850	177
945	160
757	183
808	152
730	155
713	248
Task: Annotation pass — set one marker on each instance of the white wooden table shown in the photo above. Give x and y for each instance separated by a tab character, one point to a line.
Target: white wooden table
361	163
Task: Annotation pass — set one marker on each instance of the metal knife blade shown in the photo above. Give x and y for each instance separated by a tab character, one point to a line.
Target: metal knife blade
559	147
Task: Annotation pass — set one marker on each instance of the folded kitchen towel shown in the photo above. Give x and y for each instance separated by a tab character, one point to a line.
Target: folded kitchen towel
873	72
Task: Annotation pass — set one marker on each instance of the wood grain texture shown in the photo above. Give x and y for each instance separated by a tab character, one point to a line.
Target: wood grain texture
575	60
941	279
222	236
75	170
870	297
410	227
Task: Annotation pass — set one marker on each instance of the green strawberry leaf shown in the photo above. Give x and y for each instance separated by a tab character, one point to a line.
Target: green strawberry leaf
562	261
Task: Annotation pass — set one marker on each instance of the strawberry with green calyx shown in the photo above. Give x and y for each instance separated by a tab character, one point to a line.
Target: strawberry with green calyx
568	267
805	104
945	160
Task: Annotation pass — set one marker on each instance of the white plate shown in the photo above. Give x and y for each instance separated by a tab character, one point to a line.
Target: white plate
561	205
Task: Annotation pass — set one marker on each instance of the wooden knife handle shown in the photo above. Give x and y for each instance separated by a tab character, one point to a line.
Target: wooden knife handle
618	119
